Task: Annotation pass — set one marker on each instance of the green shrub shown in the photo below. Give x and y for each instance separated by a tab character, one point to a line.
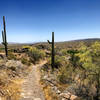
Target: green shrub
36	54
64	52
25	61
65	74
26	47
59	61
1	49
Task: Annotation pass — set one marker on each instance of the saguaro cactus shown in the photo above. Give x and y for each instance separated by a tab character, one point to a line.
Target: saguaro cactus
53	53
4	38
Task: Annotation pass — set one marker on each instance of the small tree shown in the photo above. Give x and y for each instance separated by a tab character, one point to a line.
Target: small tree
73	56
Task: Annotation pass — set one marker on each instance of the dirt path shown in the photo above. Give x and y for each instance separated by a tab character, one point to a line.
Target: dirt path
31	89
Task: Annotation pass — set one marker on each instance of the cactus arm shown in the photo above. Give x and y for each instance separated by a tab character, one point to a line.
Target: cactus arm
49	42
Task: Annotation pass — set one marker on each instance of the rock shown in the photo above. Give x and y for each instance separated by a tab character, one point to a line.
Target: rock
58	92
65	95
68	96
37	99
0	98
45	77
63	99
73	97
21	50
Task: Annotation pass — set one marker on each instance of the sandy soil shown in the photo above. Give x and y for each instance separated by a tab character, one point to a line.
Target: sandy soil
31	89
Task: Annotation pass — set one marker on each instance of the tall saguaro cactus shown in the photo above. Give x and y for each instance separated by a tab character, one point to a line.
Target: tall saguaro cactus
53	52
4	38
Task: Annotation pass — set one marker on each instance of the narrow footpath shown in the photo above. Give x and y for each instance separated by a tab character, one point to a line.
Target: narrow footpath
31	89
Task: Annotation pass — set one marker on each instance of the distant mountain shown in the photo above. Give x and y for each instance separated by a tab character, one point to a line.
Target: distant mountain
62	44
76	43
84	40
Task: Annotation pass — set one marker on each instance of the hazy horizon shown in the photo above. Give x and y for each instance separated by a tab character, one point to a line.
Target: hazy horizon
30	21
47	42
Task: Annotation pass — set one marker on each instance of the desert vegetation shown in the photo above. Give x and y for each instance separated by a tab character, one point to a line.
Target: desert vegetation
76	73
71	70
14	68
11	74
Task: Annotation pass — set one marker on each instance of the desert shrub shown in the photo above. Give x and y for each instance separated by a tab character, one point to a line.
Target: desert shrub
41	46
36	54
1	49
64	52
46	67
11	73
25	61
49	94
11	56
65	74
8	89
89	59
26	47
12	91
59	61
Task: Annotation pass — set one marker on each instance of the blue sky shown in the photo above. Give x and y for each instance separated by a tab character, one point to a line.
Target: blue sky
34	20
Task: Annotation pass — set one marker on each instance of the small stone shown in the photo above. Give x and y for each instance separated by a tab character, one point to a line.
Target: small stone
58	91
37	99
45	77
63	99
73	97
